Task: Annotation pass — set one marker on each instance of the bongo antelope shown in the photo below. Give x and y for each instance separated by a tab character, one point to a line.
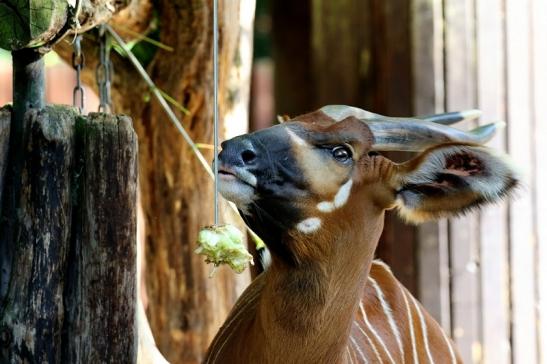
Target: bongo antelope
316	191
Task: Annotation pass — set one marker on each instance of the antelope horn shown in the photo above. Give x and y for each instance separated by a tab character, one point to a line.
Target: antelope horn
450	118
415	134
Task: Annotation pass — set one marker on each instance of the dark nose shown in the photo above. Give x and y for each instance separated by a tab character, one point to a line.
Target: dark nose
238	151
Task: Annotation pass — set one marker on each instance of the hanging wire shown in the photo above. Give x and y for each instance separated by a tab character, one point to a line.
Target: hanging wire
78	62
215	107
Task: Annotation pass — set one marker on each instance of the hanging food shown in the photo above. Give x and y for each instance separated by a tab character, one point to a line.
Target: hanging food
223	244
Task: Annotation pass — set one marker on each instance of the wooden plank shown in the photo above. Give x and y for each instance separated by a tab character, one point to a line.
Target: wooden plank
392	43
494	238
539	72
521	215
341	28
463	232
391	79
428	96
434	271
291	39
427	56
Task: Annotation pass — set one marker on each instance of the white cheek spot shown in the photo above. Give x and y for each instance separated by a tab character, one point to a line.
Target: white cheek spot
343	194
325	206
340	198
309	225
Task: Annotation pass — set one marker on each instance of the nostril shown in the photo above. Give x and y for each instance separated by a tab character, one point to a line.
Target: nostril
248	156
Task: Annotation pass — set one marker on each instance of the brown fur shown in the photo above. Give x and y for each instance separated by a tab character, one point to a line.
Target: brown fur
309	312
240	350
288	321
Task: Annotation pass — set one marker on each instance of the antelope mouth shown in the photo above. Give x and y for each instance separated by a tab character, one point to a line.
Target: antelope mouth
238	185
237	173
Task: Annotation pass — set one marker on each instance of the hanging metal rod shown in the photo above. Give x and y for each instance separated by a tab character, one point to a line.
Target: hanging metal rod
215	106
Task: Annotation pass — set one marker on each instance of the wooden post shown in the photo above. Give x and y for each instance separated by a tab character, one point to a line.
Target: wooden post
31	314
101	295
5	118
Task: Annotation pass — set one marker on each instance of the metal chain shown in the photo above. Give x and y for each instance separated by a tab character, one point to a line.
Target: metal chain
103	72
78	62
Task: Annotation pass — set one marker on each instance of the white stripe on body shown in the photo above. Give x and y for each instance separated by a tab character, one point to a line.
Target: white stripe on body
389	314
371	343
411	326
450	349
424	330
355	346
349	355
371	329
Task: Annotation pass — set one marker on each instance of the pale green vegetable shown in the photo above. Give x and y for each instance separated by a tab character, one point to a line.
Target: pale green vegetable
224	245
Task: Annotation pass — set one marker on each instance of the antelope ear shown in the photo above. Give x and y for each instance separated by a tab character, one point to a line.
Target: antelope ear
450	180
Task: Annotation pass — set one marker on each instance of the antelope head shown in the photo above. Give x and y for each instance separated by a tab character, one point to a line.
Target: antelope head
320	174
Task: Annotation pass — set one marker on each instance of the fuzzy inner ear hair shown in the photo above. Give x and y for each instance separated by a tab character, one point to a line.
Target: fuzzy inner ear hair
450	180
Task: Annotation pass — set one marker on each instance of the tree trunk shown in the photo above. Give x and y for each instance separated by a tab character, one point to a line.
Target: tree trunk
185	307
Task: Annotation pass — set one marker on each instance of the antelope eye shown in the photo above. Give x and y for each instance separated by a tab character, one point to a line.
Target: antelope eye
341	153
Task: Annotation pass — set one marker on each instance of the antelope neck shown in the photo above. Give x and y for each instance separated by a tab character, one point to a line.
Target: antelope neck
307	310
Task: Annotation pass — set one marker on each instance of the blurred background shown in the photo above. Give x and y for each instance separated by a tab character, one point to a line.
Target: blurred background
483	276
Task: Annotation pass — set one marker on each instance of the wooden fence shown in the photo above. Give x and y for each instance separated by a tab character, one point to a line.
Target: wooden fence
484	276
